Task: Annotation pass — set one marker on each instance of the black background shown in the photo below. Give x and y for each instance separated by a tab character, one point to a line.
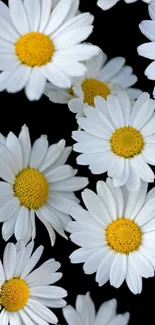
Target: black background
116	31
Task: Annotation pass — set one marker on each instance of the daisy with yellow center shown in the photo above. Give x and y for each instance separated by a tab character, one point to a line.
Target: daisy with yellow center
118	139
34	45
116	234
37	182
25	293
101	79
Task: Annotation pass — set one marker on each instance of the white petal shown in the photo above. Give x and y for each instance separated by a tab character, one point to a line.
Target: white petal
39	151
53	154
118	270
8	61
8	228
106	312
46	6
144	170
7	32
56	76
135	201
117	193
146	213
58	15
18	79
133	183
4	317
71	316
111	68
72	37
144	114
9	260
105	265
81	254
19	16
147	50
120	319
126	105
96	207
148	128
139	102
25	142
5	46
82	51
148	29
115	111
42	311
60	173
5	12
88	239
61	203
36	84
22	223
9	209
93	262
48	292
14	147
142	265
72	184
32	262
151	9
33	13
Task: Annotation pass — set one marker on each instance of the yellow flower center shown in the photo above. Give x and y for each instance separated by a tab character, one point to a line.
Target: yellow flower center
127	142
31	188
92	88
34	49
14	294
123	236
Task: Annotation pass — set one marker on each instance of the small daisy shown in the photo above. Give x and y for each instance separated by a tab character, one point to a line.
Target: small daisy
107	4
37	182
85	313
147	50
101	78
26	294
39	44
116	234
118	139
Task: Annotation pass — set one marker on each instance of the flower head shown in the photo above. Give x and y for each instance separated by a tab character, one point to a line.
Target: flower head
118	139
37	182
116	234
38	42
26	294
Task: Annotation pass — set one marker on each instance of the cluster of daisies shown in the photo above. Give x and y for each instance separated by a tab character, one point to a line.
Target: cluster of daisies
43	51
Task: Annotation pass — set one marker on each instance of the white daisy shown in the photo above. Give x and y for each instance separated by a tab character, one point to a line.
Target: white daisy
85	313
26	294
37	182
37	44
107	4
101	78
118	139
147	50
116	234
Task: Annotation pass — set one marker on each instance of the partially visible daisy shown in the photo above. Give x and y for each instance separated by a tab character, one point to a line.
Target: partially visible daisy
38	45
85	313
116	234
26	294
107	4
37	182
118	139
147	50
101	79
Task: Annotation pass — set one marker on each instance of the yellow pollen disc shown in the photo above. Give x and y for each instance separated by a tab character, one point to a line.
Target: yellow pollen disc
92	88
31	188
14	294
127	142
34	49
123	236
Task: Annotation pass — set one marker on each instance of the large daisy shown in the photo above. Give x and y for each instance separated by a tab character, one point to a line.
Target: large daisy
147	50
107	4
37	182
85	313
102	78
26	294
38	45
116	234
118	139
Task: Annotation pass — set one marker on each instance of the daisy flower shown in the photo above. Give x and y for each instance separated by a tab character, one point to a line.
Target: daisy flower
85	313
107	4
38	45
118	139
26	294
37	182
116	234
147	50
102	78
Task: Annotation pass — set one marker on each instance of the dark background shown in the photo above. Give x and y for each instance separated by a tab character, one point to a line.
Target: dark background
116	32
